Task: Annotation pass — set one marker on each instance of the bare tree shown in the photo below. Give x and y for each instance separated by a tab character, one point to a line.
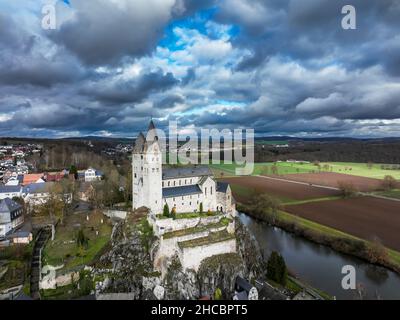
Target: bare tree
389	183
377	252
347	189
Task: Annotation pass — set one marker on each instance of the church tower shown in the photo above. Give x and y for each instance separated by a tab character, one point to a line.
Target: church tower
147	171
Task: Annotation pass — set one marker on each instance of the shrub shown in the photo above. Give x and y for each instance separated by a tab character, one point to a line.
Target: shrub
218	294
81	240
347	189
389	183
201	208
377	253
265	207
173	213
166	210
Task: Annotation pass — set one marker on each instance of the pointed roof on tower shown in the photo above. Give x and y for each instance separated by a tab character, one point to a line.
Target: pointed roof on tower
139	143
151	125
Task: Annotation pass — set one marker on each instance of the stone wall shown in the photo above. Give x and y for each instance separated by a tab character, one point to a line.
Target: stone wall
115	214
161	226
191	257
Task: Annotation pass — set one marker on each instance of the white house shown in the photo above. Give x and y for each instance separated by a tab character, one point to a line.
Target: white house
92	175
182	188
11	216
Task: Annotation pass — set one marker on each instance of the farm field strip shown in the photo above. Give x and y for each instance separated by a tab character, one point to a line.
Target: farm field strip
365	217
244	187
285	168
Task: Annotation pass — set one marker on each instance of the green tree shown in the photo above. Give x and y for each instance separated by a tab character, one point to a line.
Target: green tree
166	210
201	208
73	170
276	268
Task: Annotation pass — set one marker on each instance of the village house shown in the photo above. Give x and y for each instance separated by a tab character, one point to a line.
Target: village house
86	191
33	178
10	192
11	216
90	175
37	193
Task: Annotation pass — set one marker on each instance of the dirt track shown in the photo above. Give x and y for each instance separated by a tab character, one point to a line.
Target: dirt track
281	189
364	217
331	179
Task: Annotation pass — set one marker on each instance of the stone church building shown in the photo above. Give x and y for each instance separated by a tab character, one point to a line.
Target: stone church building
183	188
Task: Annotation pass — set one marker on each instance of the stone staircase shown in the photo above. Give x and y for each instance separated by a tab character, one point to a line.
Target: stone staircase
36	264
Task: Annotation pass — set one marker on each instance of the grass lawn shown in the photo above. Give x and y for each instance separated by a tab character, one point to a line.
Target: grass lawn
183	232
191	215
357	169
211	238
361	169
64	250
264	168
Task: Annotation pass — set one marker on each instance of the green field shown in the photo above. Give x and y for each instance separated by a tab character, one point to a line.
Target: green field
282	168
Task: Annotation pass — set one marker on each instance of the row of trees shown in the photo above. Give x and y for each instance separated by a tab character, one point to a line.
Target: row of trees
347	188
264	207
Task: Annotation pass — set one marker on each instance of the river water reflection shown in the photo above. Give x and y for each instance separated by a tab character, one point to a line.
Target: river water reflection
321	266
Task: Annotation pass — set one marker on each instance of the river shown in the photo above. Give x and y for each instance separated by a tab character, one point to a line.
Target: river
321	266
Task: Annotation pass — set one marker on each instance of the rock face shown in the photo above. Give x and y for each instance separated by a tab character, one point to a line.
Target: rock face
180	285
250	252
130	262
220	272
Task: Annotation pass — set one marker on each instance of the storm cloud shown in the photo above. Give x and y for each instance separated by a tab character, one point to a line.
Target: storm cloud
278	66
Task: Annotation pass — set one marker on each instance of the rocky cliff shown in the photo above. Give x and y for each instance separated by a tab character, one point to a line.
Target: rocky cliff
130	266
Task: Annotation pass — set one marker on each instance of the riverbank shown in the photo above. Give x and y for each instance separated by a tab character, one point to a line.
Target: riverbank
332	238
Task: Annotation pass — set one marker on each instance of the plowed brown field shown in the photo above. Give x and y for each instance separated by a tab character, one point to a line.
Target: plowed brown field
364	217
280	189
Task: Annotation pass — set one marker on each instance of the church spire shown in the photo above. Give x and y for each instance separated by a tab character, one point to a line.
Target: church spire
151	125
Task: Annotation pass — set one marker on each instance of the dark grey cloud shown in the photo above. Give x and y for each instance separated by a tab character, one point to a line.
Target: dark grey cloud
292	68
103	33
24	62
130	91
169	101
311	29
